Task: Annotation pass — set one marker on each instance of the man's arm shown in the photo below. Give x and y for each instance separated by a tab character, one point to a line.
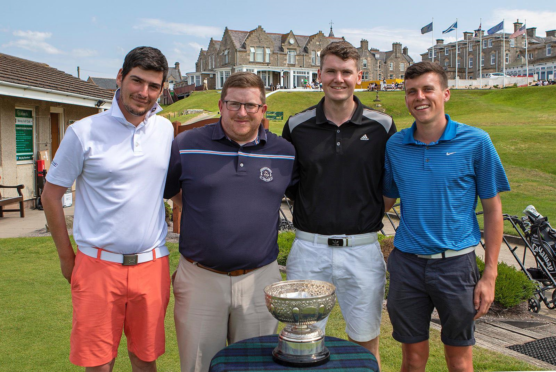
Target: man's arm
494	227
388	203
51	199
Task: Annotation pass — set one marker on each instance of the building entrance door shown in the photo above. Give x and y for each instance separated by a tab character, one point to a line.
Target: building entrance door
54	133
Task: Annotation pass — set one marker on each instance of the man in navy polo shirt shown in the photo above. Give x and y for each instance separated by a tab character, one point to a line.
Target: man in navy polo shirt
232	176
437	168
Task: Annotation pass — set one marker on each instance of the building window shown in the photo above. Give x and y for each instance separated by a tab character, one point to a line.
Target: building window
470	62
198	80
291	57
430	53
252	54
459	62
446	62
485	43
549	50
446	52
492	58
365	75
391	66
226	56
490	43
402	66
512	43
202	65
530	55
507	58
213	60
483	60
267	55
259	54
364	63
313	57
470	47
391	76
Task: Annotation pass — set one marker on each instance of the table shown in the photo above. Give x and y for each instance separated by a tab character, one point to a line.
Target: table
255	354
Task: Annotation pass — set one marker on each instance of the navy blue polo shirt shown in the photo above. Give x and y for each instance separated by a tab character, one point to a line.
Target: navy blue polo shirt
231	196
438	185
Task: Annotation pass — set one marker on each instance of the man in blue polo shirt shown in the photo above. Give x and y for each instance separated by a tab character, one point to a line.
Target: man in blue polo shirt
437	168
232	176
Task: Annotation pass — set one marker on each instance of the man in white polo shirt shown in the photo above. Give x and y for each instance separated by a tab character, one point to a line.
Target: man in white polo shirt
120	276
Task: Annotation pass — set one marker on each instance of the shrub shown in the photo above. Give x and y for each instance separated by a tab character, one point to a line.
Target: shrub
512	286
169	212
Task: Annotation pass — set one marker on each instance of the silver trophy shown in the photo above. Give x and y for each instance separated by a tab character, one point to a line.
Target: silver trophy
300	304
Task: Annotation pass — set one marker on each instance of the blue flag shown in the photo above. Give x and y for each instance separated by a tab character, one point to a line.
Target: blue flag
451	28
426	29
495	29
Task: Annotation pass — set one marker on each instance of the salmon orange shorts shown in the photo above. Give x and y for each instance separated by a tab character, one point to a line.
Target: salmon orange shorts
107	298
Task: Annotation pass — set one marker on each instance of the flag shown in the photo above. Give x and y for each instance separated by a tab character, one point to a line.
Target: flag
451	28
478	31
426	29
521	31
495	29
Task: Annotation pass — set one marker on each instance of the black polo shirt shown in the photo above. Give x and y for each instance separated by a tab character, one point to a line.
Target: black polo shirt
340	169
231	196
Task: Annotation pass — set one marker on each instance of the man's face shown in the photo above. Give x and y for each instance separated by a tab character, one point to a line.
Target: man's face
338	78
139	90
425	98
242	126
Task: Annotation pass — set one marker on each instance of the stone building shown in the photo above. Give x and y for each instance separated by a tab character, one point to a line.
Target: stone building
493	51
285	59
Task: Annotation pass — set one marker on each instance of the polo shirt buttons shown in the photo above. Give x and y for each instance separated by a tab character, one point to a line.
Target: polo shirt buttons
427	160
338	131
241	165
338	143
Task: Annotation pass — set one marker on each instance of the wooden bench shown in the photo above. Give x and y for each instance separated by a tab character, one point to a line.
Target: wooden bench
12	200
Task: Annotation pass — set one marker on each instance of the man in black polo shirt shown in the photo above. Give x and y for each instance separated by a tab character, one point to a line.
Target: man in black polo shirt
338	206
232	176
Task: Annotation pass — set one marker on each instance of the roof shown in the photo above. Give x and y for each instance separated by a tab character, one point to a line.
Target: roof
40	75
175	73
104	83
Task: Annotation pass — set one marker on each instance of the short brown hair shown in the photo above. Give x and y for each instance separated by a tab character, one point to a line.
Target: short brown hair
147	58
243	80
421	68
340	49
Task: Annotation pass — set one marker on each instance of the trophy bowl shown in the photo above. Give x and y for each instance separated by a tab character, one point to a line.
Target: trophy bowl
299	304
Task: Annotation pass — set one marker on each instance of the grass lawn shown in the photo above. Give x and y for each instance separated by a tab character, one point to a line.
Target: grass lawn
35	319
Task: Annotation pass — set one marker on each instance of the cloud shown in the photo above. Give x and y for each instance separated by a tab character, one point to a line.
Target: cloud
159	25
83	53
93	19
542	20
196	46
34	41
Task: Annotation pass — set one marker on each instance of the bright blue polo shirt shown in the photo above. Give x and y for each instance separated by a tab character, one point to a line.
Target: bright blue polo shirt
231	196
438	185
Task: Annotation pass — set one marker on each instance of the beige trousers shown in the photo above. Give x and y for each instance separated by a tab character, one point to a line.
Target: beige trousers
212	309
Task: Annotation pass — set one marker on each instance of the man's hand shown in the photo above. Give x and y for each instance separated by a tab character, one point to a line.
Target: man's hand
483	295
67	264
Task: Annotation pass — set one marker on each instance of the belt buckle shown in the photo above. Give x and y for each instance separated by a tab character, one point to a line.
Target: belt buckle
335	242
130	259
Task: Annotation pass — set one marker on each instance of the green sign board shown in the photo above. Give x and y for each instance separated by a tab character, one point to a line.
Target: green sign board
275	115
24	135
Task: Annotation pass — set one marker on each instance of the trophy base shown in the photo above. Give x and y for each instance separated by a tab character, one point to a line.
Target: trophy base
301	361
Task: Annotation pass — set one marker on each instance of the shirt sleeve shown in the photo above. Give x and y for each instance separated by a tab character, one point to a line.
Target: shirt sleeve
67	165
286	131
491	177
389	187
173	183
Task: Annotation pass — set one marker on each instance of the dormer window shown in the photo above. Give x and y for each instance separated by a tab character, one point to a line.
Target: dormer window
364	63
259	51
291	56
252	54
226	57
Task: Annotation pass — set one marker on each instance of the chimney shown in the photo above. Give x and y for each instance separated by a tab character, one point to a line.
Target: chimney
397	48
551	33
439	41
517	25
467	35
405	51
177	65
531	32
364	44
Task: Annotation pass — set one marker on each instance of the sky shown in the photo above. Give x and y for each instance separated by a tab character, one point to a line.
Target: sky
96	35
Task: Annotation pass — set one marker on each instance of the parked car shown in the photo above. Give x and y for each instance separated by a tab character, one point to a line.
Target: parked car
496	75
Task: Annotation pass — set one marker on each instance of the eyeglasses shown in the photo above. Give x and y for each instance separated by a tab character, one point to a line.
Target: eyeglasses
236	106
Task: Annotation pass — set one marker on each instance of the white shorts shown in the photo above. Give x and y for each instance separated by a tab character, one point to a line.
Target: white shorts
359	274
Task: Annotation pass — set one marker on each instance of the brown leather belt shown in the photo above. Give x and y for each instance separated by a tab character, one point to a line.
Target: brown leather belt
229	273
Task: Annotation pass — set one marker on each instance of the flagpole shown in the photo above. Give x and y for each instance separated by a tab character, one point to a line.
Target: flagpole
481	53
504	54
457	54
432	36
526	55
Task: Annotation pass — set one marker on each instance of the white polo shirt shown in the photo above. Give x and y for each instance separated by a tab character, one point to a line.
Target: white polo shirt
120	171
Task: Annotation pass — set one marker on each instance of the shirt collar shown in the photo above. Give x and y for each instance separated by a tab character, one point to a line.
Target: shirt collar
449	133
116	113
218	134
356	118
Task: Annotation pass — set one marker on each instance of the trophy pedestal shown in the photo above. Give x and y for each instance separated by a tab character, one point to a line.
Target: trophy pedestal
301	346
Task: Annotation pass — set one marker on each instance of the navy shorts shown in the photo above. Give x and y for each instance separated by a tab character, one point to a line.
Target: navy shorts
418	285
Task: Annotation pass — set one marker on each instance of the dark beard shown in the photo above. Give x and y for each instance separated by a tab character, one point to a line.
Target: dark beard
135	112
